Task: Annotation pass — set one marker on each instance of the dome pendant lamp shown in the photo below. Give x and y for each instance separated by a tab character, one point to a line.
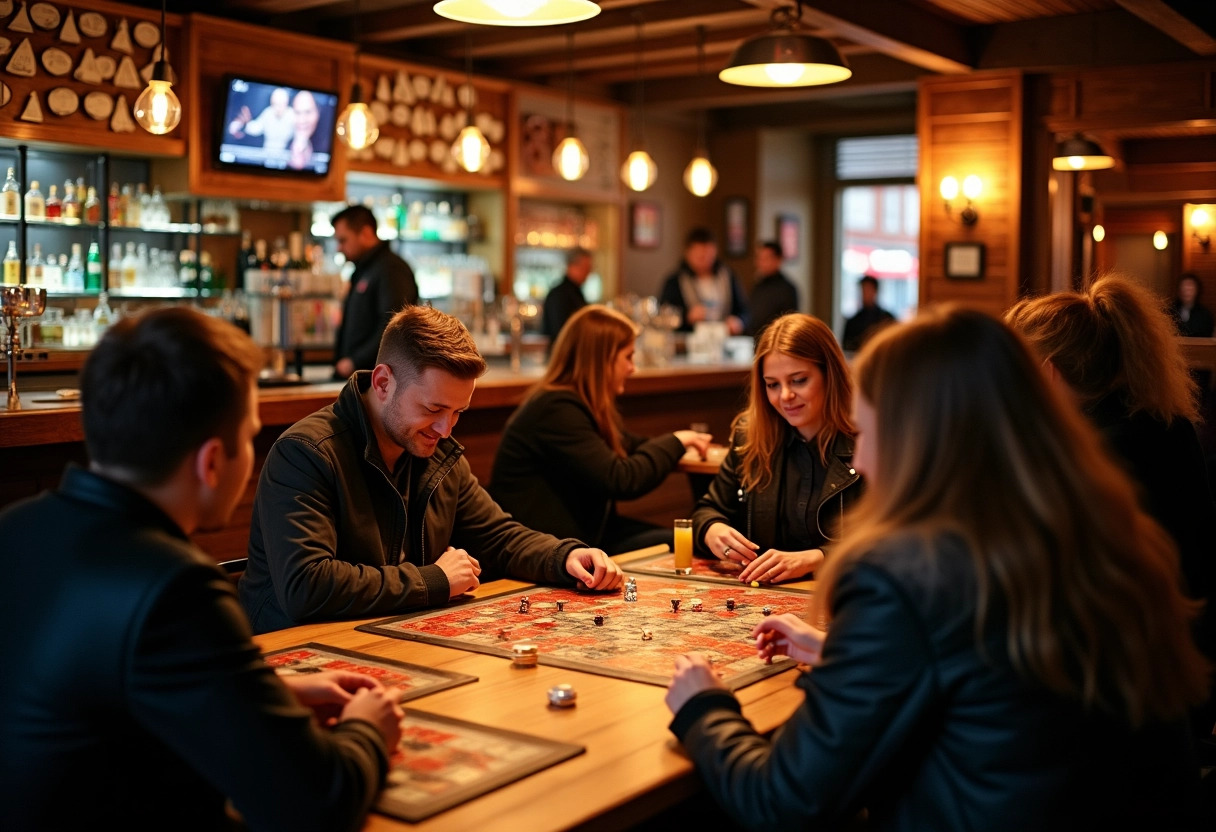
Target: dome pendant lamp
357	128
517	12
639	171
700	177
158	109
1079	153
785	57
570	158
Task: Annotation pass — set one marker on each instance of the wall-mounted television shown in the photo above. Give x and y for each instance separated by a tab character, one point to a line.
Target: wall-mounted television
276	128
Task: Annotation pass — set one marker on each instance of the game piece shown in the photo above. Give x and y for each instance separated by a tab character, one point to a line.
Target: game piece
675	604
631	595
646	636
523	605
599	621
730	604
755	584
562	696
561	605
502	633
524	654
696	605
767	610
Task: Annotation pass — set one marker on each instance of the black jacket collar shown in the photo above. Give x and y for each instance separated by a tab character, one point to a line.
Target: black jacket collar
89	487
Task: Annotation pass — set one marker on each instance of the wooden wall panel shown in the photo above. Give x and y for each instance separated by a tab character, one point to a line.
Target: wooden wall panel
967	126
1123	97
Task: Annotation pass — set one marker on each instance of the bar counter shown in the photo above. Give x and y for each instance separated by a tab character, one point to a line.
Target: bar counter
38	440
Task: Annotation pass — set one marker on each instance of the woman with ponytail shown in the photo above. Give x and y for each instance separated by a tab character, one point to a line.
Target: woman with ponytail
1006	646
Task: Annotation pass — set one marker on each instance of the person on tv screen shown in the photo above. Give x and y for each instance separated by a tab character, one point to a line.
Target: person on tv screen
276	124
304	105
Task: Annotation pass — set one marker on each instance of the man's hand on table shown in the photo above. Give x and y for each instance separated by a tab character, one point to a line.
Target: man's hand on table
461	569
593	569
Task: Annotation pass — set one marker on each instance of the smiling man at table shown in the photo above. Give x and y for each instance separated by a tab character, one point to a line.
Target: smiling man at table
368	507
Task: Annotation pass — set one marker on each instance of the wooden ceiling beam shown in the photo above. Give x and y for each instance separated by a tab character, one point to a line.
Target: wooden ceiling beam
1174	22
670	64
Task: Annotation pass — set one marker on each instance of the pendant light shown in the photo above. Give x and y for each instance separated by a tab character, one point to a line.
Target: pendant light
639	171
470	150
700	177
357	128
785	57
570	158
157	109
517	12
1079	153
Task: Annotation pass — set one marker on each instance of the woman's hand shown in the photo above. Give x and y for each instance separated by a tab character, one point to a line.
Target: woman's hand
787	635
725	543
774	566
695	440
693	674
327	692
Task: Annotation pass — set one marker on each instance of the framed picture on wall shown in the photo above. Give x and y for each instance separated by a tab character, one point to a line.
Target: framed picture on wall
736	226
965	261
788	230
645	225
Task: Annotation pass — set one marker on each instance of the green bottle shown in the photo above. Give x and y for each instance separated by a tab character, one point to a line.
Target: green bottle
93	269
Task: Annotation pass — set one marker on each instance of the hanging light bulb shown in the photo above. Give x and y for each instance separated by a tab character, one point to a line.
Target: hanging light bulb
700	177
357	127
471	150
639	171
1099	233
785	57
1161	240
157	109
570	159
517	12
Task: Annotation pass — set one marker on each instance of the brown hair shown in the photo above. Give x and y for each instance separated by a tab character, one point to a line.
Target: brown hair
1086	584
581	361
159	385
1113	336
799	336
419	337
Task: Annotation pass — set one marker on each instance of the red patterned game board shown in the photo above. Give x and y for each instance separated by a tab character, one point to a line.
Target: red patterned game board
413	680
571	639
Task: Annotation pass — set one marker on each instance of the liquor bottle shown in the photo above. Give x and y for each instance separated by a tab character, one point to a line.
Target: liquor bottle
295	251
206	274
10	197
12	265
247	258
264	263
144	200
73	275
52	274
92	278
114	204
143	267
157	209
114	267
102	316
70	207
35	203
187	272
240	311
130	268
34	267
92	207
129	211
54	212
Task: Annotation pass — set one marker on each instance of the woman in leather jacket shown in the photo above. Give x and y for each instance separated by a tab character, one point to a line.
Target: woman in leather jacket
781	492
1007	646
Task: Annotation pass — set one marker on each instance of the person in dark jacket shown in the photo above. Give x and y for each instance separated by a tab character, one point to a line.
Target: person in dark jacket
704	288
1192	318
566	297
869	317
368	507
772	293
1006	646
133	695
565	457
381	284
781	492
1111	348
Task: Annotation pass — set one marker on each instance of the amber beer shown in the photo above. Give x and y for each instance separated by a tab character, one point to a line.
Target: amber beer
683	547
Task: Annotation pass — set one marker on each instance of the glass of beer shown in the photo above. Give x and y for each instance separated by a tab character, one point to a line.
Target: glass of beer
683	547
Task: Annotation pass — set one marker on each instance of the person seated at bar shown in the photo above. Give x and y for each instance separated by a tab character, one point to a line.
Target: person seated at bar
773	294
1110	348
368	507
704	288
566	297
565	457
784	485
134	697
1007	647
1192	318
869	317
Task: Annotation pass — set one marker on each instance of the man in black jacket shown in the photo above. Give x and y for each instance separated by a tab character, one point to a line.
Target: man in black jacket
368	507
772	293
133	696
381	284
566	297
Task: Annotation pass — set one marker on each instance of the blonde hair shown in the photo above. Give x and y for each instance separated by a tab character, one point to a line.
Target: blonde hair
582	360
1112	336
808	338
1086	584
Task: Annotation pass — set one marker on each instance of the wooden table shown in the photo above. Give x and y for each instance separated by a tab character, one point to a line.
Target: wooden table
701	472
633	767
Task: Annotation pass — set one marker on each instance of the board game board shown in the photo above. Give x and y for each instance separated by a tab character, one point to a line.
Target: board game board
570	638
414	680
703	569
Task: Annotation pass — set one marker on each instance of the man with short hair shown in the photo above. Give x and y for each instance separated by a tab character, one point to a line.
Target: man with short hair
566	297
381	284
704	288
869	318
772	293
133	697
368	507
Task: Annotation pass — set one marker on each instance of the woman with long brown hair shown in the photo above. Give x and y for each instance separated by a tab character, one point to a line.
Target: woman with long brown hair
565	457
784	485
1007	647
1111	348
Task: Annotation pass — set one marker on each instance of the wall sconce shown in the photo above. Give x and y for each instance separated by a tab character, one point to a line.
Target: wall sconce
972	185
1160	240
1201	220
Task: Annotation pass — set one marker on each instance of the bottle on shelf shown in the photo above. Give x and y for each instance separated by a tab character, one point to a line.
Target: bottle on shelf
144	200
52	274
128	206
114	267
70	207
130	268
34	267
10	197
144	266
187	273
12	265
73	275
206	274
247	258
157	215
113	205
102	316
35	203
54	212
92	207
264	263
93	268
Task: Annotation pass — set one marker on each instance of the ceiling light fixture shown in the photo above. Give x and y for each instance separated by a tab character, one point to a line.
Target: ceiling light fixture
357	128
517	12
157	109
639	171
785	57
570	158
700	177
470	150
1080	153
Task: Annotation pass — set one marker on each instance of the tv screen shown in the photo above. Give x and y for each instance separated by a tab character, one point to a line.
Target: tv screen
276	128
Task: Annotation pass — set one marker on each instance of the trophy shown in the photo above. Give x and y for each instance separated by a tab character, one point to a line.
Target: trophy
18	302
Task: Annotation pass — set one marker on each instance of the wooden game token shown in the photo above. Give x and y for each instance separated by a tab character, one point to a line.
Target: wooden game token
401	153
383	93
126	75
21	22
6	46
86	70
33	109
106	67
69	33
525	655
121	121
56	61
121	42
400	115
403	90
6	93
44	15
92	25
99	105
379	111
62	101
6	8
146	34
467	96
562	696
22	63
